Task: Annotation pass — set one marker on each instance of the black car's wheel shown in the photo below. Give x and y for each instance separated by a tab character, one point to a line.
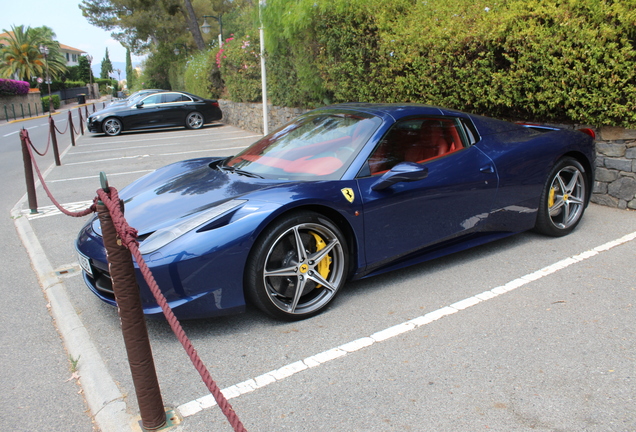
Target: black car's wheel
564	198
112	126
194	120
297	266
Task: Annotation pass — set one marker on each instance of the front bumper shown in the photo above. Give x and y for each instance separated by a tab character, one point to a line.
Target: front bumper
198	287
93	126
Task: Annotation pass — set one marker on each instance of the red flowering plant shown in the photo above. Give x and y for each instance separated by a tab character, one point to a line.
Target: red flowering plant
9	87
239	62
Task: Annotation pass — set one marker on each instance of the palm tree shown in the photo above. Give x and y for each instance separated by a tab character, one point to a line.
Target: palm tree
21	57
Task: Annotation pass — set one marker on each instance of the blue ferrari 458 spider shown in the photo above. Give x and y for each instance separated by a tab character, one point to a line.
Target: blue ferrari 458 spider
341	193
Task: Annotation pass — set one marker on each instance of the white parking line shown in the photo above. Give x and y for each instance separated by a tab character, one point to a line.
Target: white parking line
197	405
207	150
169	136
97	176
157	145
52	210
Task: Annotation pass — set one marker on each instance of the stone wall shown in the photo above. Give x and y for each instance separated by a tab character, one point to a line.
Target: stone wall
249	116
19	103
614	186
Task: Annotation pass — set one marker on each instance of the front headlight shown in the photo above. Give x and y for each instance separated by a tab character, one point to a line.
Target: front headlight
163	236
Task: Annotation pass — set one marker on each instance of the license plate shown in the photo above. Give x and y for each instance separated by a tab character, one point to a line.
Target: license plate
85	263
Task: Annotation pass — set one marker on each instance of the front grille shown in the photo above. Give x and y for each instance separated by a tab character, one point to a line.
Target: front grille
103	283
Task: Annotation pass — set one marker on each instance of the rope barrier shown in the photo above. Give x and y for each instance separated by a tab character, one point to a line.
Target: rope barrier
28	140
58	131
128	236
24	134
77	132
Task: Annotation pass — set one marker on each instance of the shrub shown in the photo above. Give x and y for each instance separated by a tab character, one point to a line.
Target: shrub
45	102
571	60
202	75
10	87
239	63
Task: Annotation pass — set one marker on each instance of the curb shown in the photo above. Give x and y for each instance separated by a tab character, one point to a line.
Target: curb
105	400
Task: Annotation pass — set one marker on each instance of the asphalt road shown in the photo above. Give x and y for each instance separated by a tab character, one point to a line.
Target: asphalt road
525	334
37	394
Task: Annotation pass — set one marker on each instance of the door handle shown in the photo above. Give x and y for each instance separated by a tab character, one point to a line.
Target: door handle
489	169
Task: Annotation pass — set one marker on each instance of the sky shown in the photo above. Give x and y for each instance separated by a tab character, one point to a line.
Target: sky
70	27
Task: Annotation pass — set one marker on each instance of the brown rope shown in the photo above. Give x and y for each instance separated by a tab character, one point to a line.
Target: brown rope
24	134
58	131
48	143
128	235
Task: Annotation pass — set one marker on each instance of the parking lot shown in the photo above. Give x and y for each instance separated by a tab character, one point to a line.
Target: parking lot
525	334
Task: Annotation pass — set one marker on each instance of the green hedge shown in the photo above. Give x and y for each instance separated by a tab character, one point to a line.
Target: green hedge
202	76
545	60
45	102
239	64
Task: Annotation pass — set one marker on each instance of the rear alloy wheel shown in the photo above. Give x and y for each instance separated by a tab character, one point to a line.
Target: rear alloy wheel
297	267
112	126
194	120
564	198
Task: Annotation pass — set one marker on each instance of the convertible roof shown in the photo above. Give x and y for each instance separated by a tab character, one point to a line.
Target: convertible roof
396	110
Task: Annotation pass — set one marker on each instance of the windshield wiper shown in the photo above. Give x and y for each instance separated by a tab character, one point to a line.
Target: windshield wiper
238	171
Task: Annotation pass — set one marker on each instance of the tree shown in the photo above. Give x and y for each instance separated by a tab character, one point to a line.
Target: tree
21	56
107	66
142	24
84	70
130	73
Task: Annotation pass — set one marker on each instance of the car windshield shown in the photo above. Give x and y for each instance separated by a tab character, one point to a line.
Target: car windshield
318	146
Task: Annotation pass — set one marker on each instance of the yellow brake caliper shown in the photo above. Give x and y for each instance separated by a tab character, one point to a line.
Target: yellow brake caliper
325	263
551	197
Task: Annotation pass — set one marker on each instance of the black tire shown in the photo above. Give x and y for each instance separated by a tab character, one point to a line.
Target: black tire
112	126
563	199
274	269
194	120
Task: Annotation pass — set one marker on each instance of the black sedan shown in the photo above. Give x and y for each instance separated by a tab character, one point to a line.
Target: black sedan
162	109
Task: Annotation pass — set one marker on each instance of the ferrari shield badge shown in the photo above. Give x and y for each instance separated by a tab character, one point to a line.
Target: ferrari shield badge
348	194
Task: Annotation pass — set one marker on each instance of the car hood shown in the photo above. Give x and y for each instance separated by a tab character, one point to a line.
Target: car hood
177	191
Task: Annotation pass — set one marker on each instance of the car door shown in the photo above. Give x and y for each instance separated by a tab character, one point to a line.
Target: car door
174	107
442	188
145	113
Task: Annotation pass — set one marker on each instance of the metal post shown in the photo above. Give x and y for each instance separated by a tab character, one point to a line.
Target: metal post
263	74
6	113
28	174
22	109
13	109
29	105
56	151
70	125
133	324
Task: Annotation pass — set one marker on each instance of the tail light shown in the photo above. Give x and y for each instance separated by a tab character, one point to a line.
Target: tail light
589	132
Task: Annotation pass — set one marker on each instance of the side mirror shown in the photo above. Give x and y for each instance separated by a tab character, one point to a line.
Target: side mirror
140	105
402	172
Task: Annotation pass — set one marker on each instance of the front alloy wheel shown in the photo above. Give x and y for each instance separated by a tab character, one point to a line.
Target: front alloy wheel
564	198
112	127
297	267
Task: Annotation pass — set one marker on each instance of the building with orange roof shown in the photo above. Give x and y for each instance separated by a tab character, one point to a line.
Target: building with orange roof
70	54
